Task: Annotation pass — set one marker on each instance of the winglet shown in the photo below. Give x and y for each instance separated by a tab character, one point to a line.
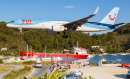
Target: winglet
96	11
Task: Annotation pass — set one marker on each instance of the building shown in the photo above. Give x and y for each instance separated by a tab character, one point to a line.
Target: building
128	50
3	49
102	50
94	46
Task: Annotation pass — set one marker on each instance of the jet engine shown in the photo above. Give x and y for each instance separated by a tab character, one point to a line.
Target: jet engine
58	28
50	32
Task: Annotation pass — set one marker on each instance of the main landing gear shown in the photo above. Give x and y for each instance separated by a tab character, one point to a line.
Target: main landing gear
67	35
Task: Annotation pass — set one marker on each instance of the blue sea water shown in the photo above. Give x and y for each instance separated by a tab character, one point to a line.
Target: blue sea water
120	58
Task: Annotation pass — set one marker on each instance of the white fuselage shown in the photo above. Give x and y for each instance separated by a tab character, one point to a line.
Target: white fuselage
48	25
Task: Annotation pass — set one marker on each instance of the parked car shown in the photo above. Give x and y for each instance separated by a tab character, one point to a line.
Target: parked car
77	72
125	64
128	74
72	76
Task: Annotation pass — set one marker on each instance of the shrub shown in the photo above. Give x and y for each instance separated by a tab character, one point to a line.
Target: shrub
32	77
92	63
1	61
17	63
90	77
45	63
16	54
105	62
29	62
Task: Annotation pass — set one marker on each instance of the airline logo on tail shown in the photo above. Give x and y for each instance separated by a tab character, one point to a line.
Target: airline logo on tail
111	18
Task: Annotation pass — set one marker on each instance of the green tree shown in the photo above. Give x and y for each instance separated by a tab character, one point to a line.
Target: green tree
109	49
1	61
15	46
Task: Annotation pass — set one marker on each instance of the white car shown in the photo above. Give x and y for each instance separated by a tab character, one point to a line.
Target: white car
38	64
72	76
77	72
128	74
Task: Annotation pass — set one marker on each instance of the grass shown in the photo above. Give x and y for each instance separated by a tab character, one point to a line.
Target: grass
27	73
5	68
62	74
16	63
14	74
31	63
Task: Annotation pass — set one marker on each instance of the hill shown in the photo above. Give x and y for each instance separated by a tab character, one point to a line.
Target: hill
117	41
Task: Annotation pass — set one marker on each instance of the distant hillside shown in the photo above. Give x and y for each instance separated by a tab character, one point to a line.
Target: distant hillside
123	29
117	41
11	39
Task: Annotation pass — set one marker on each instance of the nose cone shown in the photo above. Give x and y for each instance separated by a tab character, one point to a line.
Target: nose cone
8	25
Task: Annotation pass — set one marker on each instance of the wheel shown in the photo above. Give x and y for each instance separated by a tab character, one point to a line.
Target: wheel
65	36
70	35
128	76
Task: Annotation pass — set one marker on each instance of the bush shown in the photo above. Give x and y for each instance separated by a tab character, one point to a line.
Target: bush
105	62
92	63
16	54
45	63
29	62
16	63
32	77
1	61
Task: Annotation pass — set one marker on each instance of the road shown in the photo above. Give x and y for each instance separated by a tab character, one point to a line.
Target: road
40	71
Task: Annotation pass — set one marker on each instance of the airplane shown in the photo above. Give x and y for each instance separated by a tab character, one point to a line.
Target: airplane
54	27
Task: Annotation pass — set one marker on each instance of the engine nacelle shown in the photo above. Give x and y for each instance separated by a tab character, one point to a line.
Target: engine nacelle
58	28
50	32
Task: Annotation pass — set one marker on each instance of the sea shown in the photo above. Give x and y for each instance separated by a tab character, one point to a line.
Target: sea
95	59
111	58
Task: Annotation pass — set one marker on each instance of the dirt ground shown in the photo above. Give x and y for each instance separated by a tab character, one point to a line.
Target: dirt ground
103	72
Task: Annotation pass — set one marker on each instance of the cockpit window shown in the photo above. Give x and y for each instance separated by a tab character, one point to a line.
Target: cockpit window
12	22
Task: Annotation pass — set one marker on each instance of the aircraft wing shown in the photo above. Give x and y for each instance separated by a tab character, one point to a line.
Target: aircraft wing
73	25
116	24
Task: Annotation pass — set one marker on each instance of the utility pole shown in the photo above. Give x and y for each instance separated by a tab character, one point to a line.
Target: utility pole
27	50
45	51
77	43
31	50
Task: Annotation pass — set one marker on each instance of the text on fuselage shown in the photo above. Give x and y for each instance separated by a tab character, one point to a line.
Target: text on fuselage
26	21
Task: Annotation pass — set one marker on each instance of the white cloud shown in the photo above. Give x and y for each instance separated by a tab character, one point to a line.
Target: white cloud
69	6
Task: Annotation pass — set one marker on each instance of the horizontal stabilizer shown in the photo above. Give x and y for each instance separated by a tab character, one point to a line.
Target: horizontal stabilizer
116	24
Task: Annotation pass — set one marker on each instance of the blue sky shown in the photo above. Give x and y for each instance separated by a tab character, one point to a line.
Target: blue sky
62	9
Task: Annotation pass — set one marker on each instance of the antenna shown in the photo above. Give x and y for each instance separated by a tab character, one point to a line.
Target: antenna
77	43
